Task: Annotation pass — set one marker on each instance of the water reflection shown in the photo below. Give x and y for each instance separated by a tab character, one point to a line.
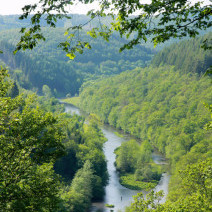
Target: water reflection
71	109
116	194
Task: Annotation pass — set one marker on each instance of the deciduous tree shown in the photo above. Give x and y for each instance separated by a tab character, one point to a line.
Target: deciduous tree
158	21
30	142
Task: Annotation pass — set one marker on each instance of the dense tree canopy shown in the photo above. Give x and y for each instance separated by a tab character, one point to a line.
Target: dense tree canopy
47	64
159	104
162	105
42	151
31	141
196	193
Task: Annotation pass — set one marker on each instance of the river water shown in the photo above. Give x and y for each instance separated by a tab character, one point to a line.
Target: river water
115	193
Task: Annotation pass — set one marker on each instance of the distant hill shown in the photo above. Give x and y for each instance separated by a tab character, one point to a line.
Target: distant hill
47	64
162	103
187	56
13	21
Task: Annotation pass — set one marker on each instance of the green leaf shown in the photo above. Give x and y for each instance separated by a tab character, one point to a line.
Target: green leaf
71	55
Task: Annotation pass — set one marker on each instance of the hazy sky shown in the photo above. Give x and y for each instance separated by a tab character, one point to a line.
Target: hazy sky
8	7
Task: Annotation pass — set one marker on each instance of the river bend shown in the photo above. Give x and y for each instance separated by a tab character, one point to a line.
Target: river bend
115	193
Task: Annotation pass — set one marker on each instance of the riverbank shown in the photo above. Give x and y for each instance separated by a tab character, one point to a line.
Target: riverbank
136	180
115	193
136	167
73	100
128	180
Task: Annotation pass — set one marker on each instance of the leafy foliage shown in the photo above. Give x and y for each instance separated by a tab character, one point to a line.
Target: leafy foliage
78	198
151	203
47	65
35	144
164	106
31	141
195	196
159	21
175	19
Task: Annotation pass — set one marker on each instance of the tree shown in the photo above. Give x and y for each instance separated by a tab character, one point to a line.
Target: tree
30	142
196	192
127	156
209	124
46	91
78	198
157	21
150	203
14	91
195	189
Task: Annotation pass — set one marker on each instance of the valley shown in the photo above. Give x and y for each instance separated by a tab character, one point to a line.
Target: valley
94	118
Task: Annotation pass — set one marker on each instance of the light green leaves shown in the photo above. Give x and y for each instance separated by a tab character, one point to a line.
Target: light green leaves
158	21
30	140
71	55
92	33
77	48
150	203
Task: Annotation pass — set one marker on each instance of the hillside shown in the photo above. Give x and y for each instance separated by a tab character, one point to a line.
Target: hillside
47	64
51	160
66	76
13	21
162	104
188	56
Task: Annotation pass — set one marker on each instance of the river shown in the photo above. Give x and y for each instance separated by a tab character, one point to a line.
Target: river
115	193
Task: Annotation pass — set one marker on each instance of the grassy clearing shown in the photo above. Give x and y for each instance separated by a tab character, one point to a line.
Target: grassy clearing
128	181
119	135
109	206
73	100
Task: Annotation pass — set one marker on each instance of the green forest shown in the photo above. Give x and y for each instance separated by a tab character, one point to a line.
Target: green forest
165	105
160	98
50	161
47	64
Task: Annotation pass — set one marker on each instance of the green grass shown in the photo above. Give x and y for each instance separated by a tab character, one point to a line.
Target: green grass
109	206
73	100
128	181
119	135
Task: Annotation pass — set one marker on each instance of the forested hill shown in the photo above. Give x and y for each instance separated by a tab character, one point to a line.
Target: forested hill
47	64
188	56
34	71
163	105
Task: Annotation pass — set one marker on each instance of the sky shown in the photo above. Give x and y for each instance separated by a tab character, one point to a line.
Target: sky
9	7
